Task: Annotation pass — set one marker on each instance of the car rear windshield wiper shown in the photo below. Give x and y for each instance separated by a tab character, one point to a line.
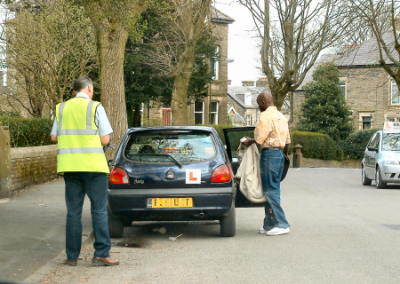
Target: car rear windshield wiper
164	155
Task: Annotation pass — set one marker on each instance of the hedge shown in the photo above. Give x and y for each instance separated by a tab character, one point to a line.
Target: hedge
28	132
354	146
316	145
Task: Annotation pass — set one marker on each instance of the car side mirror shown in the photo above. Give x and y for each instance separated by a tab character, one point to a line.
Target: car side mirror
372	149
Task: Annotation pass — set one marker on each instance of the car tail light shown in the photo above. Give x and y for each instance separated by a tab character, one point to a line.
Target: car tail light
221	174
118	176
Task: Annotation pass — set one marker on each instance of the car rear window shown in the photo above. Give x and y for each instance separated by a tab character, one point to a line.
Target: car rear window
170	146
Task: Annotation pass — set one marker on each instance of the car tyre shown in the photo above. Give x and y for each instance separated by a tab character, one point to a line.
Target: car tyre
378	179
115	226
364	179
228	223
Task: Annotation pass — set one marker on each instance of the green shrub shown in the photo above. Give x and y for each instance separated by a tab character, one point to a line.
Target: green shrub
354	146
316	145
28	132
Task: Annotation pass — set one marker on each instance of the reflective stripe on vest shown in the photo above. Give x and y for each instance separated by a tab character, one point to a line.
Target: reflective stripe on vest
87	131
80	150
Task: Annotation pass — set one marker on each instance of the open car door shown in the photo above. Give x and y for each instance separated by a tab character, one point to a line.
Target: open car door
232	139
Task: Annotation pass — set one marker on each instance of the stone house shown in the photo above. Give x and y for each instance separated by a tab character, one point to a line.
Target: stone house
213	108
371	93
242	105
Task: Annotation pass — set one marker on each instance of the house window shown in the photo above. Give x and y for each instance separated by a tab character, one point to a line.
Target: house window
366	122
342	86
214	113
215	64
395	97
391	119
199	113
248	120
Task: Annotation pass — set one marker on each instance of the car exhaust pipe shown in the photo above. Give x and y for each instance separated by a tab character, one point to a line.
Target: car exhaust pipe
202	215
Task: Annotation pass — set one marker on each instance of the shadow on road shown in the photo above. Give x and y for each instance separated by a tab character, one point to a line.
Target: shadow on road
140	234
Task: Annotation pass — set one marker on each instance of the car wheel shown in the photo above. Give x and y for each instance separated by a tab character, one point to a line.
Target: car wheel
115	227
378	179
364	179
228	223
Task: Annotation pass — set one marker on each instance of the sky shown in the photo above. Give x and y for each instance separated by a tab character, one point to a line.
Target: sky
242	47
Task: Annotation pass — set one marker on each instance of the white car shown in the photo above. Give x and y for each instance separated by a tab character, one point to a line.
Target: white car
381	160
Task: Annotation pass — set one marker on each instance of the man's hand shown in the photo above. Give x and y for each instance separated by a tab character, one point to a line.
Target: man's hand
248	142
54	138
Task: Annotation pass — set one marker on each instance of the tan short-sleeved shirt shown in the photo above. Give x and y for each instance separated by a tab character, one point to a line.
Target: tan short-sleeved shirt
272	130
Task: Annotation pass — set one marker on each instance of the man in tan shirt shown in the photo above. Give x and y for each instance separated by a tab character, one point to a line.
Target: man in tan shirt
272	133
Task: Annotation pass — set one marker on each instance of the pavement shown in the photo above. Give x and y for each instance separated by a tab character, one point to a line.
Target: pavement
32	229
341	232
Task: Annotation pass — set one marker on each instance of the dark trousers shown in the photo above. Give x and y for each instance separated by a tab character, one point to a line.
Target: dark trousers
77	184
271	166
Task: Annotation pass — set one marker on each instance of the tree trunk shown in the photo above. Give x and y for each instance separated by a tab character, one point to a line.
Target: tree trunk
112	51
136	115
179	102
129	113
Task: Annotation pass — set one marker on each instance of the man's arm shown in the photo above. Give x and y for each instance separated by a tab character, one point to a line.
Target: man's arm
105	140
103	124
53	133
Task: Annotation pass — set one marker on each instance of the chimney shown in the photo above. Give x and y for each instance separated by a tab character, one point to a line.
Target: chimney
262	83
248	83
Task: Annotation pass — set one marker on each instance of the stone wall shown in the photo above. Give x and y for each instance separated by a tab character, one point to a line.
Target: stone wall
21	167
32	165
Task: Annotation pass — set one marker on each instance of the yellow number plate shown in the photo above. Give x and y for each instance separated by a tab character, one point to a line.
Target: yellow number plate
170	202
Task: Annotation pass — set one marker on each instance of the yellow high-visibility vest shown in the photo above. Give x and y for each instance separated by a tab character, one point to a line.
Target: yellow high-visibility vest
79	146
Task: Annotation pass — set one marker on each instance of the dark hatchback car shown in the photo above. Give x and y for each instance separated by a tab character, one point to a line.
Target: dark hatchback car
175	173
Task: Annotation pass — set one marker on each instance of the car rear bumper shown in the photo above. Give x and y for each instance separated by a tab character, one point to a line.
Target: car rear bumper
208	203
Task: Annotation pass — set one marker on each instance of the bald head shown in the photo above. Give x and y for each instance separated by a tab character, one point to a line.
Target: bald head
265	100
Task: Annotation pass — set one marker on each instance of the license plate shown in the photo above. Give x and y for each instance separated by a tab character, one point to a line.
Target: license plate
170	202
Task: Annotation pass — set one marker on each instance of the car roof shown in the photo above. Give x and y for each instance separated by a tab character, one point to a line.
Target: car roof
203	128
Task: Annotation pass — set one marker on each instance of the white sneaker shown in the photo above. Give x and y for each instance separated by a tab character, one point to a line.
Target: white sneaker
261	230
278	231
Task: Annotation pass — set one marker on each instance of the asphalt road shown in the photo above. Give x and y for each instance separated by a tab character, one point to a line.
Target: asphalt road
32	229
341	232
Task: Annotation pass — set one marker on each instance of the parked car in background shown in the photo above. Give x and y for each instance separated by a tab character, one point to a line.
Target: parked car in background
381	160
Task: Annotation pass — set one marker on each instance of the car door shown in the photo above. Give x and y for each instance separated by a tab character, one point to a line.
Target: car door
374	155
232	139
370	156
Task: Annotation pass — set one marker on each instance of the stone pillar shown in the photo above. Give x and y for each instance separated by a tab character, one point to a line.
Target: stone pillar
5	162
297	156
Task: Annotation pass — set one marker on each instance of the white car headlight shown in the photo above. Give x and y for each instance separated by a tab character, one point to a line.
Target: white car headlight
391	161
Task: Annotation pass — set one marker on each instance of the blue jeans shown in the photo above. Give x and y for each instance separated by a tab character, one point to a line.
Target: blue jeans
271	166
77	184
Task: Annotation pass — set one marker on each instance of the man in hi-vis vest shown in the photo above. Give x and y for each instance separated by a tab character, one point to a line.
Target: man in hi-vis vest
81	129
